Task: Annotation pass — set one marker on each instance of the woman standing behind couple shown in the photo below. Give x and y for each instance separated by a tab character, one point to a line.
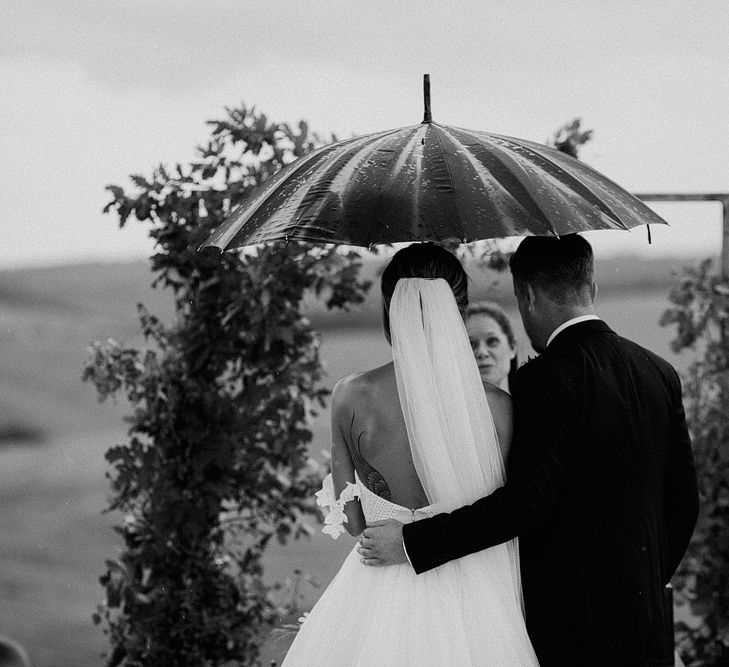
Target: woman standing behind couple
416	437
493	342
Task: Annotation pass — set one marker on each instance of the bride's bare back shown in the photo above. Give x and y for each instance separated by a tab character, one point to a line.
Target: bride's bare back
369	436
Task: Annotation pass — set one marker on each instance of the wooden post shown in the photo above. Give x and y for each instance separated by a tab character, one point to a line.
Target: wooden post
720	197
725	264
725	242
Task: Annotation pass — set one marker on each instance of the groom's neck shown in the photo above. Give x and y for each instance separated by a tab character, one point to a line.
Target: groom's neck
557	317
549	311
566	313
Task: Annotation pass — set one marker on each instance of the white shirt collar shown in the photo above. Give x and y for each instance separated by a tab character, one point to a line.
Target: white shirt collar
569	323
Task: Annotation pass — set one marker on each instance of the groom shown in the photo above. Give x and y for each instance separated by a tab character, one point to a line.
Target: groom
601	486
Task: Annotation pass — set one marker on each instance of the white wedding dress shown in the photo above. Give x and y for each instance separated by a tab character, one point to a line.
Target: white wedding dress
466	612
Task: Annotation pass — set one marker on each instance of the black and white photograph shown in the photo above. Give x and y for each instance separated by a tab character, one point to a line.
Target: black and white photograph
364	333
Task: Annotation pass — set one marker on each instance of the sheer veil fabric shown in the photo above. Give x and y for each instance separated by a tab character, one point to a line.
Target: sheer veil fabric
450	428
451	431
467	612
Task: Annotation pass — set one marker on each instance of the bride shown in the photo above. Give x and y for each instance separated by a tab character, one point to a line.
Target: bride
416	437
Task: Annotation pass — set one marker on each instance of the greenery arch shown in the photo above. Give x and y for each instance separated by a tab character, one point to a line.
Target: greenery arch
221	400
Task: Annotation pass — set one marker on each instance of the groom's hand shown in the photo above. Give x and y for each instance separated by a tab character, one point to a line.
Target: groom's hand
381	544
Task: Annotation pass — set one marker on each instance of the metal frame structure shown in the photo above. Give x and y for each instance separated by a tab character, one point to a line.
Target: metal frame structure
723	198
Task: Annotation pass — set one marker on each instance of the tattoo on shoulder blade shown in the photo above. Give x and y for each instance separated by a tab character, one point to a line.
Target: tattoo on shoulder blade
372	479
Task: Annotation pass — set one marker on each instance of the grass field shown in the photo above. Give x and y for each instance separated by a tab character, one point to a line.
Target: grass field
53	434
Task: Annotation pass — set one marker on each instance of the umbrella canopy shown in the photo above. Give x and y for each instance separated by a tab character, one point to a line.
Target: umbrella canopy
430	182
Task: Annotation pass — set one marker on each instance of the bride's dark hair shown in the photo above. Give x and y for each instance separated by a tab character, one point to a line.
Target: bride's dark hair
423	260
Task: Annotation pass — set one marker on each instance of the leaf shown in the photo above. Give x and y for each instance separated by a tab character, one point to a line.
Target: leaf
116	191
140	181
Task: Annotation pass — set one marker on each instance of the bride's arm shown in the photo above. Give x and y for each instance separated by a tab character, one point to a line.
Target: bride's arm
342	465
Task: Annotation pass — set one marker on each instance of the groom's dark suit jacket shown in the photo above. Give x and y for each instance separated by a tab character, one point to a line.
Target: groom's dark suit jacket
601	491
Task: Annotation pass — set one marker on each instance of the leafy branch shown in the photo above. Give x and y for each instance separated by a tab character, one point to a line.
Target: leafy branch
216	464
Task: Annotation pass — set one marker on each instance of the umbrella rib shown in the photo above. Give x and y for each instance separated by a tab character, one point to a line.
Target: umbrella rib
336	152
450	178
244	208
331	172
385	172
565	175
535	211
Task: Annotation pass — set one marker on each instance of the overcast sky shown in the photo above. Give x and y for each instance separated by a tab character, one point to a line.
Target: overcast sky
93	91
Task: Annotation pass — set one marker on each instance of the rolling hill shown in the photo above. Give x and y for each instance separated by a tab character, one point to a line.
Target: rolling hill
48	316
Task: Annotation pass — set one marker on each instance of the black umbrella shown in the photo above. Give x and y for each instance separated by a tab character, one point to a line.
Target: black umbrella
430	182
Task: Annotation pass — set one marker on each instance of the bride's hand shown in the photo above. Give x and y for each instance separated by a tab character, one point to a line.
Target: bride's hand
381	544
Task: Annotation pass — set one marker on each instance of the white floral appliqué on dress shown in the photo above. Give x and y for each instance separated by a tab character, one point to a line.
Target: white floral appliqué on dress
333	507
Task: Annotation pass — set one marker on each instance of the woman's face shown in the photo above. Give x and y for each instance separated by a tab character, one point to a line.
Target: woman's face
490	347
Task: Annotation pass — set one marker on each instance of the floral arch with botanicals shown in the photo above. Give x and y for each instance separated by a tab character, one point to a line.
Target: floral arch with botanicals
216	464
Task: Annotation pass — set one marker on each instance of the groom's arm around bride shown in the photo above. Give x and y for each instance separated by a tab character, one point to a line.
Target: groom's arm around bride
601	486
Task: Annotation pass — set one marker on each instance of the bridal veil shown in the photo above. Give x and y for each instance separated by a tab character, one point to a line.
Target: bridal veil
450	427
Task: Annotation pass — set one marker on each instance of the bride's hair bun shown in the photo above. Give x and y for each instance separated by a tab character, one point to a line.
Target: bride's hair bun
423	260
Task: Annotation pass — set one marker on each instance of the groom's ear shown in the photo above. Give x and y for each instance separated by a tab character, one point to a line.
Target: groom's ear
593	291
530	296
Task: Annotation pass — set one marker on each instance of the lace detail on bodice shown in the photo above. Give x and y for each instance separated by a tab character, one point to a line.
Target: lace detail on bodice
374	507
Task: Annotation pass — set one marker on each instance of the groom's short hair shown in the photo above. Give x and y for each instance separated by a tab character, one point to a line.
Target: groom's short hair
561	266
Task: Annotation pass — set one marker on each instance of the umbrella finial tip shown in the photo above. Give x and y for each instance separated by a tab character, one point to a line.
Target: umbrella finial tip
427	117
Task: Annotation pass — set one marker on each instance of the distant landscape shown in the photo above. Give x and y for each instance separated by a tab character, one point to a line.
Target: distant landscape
49	316
53	432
